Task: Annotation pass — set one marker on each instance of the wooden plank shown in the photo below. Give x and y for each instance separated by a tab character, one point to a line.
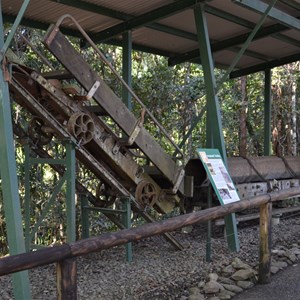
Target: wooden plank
66	279
105	97
264	271
58	74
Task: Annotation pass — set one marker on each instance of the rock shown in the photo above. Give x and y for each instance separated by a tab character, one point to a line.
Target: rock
291	256
245	284
278	252
226	280
295	251
213	277
195	294
224	295
187	229
232	288
280	264
228	270
194	290
196	297
201	284
274	269
243	274
238	264
212	287
213	298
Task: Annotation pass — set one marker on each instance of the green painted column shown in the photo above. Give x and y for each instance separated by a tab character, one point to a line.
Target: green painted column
214	123
27	197
127	68
70	194
10	188
126	97
126	220
267	113
85	223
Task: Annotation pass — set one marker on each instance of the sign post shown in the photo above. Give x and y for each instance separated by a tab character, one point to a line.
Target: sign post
219	179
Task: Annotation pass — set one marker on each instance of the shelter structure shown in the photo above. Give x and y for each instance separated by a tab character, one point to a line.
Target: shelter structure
241	36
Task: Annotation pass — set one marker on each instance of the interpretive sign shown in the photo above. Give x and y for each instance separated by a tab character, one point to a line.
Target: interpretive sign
218	175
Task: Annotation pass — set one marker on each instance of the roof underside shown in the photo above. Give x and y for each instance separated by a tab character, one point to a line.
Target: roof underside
167	27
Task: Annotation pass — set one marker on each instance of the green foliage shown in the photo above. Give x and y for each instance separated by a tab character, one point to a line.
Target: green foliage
175	96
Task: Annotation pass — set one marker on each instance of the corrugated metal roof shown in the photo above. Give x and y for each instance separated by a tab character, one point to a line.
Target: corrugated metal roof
175	34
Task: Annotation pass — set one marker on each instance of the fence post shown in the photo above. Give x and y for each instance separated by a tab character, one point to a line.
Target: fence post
264	272
66	277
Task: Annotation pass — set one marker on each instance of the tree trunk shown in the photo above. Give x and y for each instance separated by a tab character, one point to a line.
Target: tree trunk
243	118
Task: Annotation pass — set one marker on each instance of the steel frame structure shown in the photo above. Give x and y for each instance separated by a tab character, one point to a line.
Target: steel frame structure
215	138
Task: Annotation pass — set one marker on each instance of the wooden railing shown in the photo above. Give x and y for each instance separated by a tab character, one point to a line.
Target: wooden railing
65	255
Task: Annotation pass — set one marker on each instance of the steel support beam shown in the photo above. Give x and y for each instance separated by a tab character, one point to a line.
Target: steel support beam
213	109
274	13
267	113
291	3
10	188
104	11
27	166
264	66
126	219
247	42
144	19
14	28
70	191
127	68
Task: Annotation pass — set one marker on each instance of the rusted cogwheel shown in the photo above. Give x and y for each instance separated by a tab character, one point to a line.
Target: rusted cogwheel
105	195
82	127
37	131
146	193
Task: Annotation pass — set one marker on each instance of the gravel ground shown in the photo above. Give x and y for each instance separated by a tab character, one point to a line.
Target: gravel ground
157	271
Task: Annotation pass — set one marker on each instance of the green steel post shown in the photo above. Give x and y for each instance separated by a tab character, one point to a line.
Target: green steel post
208	240
127	68
85	223
126	219
12	209
267	113
48	205
246	44
13	28
70	195
27	197
213	109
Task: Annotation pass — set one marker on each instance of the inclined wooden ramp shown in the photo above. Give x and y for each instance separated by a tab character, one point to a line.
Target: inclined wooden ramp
23	91
75	64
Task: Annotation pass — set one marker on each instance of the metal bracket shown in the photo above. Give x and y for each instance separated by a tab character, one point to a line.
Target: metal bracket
93	90
137	128
116	148
178	181
90	94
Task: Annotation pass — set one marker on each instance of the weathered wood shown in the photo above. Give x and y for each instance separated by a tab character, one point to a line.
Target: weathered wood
269	167
105	97
25	261
21	262
249	217
264	273
66	280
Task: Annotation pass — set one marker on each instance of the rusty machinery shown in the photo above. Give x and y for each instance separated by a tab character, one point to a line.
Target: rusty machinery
63	111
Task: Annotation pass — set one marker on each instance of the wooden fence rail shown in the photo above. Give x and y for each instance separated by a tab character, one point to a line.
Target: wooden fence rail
64	254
